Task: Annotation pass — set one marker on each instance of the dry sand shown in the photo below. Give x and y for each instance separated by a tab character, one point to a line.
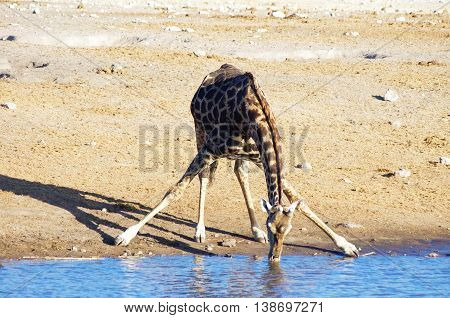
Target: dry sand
75	172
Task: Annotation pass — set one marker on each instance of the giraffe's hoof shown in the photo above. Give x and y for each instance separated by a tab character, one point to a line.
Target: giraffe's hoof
259	235
125	238
348	248
200	234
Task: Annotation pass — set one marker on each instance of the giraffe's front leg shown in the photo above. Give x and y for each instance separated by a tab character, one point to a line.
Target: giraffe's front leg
348	248
200	231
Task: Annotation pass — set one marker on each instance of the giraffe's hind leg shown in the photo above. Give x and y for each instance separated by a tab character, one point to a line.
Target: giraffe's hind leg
201	160
241	170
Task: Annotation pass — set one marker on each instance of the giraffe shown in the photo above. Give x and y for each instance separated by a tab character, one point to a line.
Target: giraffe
233	120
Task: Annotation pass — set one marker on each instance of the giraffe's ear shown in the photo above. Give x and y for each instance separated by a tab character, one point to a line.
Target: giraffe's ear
265	206
292	207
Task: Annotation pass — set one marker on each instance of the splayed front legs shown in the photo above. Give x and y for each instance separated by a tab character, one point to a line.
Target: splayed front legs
201	160
348	248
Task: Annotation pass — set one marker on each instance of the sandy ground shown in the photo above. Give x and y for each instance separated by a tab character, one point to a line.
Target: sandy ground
88	152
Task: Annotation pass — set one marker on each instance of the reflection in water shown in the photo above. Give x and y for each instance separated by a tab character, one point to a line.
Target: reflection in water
198	272
241	276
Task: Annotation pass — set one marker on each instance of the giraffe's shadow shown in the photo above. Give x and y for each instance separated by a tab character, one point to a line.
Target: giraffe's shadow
78	203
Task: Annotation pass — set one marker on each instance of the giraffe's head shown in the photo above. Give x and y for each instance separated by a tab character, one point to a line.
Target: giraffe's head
278	226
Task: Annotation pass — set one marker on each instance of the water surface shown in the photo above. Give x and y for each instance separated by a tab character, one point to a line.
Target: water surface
240	276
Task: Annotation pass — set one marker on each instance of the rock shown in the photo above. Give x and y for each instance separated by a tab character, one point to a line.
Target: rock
8	38
104	210
433	255
303	229
403	173
444	161
216	235
209	247
124	254
172	29
74	249
199	53
150	253
349	225
139	253
82	250
228	243
278	14
347	180
91	143
36	11
400	19
352	33
396	123
116	68
9	105
380	21
262	30
6	75
189	30
305	166
390	95
38	64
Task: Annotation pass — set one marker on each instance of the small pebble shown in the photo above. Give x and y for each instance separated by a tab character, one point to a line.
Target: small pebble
74	249
189	30
303	229
124	254
400	19
91	143
305	166
228	243
172	29
150	253
36	11
349	225
199	53
104	210
403	173
396	123
278	14
82	250
261	30
216	235
209	247
390	95
9	105
352	33
138	253
347	180
444	161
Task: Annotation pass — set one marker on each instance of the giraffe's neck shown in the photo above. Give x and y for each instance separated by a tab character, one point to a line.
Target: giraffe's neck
270	151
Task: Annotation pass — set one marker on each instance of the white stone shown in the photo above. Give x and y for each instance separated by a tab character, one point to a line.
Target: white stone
9	105
305	166
444	160
74	249
347	180
199	53
172	29
36	11
189	30
352	33
403	173
390	95
380	21
400	19
262	30
396	123
278	14
104	210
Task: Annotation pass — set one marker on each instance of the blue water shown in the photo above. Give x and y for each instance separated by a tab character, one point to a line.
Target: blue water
240	276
